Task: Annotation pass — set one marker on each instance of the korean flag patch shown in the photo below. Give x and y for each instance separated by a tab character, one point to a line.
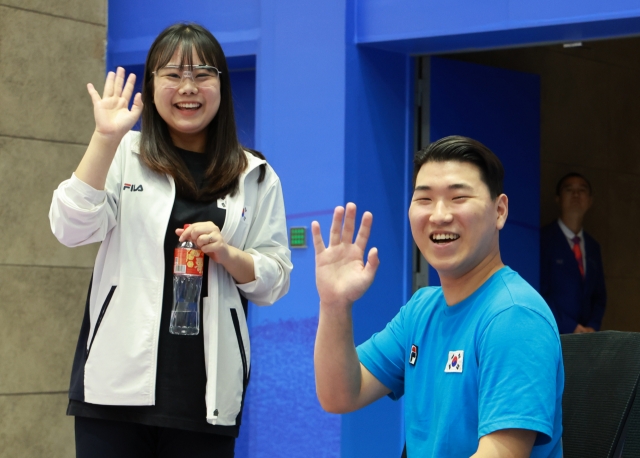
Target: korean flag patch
454	363
413	356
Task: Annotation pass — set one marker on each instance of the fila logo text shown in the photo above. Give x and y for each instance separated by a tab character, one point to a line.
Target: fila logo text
132	187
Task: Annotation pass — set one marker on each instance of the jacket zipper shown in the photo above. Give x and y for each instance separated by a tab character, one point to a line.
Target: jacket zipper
102	312
243	356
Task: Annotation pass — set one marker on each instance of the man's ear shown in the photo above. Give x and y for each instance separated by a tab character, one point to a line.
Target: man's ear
502	210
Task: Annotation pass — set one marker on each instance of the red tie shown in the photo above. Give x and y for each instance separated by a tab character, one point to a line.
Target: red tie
577	252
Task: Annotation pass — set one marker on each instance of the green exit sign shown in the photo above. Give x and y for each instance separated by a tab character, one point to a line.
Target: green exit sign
298	237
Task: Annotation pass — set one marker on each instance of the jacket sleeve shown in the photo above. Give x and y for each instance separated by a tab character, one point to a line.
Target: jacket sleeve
599	297
566	325
79	214
267	243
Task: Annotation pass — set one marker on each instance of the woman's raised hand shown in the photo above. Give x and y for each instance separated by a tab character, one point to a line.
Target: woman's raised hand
341	275
111	111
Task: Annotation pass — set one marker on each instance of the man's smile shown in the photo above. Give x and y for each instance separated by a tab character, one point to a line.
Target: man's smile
443	237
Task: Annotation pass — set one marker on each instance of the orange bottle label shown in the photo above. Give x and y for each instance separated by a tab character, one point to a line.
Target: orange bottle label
188	261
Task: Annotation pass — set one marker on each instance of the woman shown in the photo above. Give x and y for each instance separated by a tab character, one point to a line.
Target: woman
136	389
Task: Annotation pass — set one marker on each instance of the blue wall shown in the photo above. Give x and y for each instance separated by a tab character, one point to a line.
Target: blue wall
325	91
500	108
437	26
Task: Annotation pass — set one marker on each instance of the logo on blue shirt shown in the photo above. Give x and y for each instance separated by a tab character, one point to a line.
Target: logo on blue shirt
413	356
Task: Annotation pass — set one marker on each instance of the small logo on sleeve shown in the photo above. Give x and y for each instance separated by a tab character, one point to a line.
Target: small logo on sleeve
454	363
244	213
413	356
132	187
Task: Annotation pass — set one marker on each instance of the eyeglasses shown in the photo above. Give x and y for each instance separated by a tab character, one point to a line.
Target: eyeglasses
173	76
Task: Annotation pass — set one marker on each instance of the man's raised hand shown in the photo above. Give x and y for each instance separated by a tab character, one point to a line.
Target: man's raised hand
341	275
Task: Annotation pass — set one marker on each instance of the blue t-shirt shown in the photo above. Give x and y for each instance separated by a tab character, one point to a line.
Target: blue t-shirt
490	362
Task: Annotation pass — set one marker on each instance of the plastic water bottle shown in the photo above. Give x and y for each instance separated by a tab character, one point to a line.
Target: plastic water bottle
187	281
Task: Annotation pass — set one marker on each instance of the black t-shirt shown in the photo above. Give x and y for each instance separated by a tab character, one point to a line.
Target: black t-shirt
181	378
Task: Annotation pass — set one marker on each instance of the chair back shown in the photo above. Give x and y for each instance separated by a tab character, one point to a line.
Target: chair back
601	379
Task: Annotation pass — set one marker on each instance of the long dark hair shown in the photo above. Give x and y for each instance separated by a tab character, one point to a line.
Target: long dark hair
225	155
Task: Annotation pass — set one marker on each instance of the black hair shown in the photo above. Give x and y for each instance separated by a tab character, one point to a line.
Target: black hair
571	175
226	158
464	149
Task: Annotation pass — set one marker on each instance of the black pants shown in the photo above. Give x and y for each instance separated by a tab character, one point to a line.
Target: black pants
117	439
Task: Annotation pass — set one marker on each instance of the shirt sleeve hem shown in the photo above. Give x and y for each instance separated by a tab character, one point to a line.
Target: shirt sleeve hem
379	375
528	423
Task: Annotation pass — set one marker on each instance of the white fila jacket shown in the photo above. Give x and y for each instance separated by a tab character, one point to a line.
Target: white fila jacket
117	362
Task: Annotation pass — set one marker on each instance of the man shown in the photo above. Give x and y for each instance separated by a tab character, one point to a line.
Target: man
571	275
479	358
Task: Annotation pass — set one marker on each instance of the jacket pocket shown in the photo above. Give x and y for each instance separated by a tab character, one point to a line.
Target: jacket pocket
243	354
101	316
232	367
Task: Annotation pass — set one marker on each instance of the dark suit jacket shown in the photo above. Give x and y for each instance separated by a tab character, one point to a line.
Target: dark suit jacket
572	299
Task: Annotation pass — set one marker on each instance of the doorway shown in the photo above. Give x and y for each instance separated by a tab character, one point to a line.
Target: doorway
589	123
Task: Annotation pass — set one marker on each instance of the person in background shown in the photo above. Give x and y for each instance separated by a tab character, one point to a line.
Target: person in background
136	389
571	273
479	359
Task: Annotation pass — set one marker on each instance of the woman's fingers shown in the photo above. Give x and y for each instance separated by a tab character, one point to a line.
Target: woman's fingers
108	85
208	238
119	82
136	108
197	230
128	87
95	96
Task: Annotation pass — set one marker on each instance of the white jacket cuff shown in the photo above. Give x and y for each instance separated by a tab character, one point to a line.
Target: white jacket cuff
271	281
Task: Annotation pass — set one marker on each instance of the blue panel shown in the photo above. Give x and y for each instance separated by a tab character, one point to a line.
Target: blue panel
300	116
300	100
300	126
243	85
516	239
499	37
284	416
500	108
378	154
382	21
235	23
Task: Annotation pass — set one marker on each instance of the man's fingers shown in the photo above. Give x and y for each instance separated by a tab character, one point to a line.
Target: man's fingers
318	243
336	226
349	223
365	230
372	262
